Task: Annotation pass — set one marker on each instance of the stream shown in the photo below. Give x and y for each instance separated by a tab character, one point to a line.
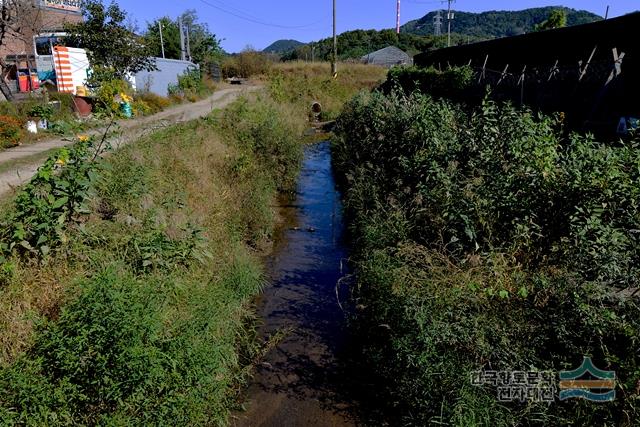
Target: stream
304	380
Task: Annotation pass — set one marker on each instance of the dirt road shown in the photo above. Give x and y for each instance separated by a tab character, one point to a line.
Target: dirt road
19	164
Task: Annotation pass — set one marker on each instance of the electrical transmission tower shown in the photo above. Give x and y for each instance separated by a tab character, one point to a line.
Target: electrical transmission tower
437	24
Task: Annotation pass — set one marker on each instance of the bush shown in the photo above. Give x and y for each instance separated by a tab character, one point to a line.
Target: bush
485	240
190	85
155	103
453	83
10	131
246	64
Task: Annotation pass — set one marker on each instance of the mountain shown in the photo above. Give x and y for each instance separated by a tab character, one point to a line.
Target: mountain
283	46
495	24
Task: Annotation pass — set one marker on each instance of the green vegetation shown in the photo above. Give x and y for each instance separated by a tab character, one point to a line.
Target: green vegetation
557	19
204	45
301	84
418	36
109	40
494	24
487	240
247	63
10	131
126	282
452	83
358	43
282	46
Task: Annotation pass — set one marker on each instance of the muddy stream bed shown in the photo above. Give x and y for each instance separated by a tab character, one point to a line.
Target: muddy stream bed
305	380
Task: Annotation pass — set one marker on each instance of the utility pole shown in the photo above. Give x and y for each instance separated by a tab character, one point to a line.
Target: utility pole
398	18
188	43
334	59
449	18
606	15
182	49
161	39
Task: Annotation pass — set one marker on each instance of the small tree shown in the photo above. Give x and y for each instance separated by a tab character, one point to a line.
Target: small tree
205	47
557	19
110	42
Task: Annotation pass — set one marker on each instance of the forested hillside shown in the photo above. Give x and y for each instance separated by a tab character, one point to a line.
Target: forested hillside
417	36
497	23
283	46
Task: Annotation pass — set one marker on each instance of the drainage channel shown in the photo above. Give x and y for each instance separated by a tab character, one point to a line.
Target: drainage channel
304	380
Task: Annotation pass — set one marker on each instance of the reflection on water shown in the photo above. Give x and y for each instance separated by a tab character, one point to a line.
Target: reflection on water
303	381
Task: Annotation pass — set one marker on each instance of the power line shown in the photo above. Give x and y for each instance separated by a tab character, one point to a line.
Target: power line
246	17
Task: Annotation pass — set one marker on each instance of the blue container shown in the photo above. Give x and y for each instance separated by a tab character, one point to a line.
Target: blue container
126	110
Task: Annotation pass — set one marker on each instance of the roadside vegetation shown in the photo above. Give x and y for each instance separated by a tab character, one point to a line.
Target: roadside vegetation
487	239
127	280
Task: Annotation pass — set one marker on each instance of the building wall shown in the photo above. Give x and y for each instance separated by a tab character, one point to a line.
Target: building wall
36	18
166	74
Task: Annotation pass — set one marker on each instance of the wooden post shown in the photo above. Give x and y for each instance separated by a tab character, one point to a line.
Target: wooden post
554	70
583	72
521	83
617	66
484	69
504	74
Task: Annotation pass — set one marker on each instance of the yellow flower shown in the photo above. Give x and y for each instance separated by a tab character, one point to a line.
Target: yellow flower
83	138
60	162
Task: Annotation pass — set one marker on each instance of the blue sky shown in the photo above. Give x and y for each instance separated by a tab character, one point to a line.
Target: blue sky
269	20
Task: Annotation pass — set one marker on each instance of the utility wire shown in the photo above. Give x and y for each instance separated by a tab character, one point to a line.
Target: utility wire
246	17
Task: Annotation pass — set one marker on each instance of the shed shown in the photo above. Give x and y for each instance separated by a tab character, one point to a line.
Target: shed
388	57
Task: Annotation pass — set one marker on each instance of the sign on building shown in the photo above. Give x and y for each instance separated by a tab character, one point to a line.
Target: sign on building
66	5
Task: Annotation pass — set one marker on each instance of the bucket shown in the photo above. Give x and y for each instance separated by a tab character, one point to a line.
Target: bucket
23	83
125	107
35	82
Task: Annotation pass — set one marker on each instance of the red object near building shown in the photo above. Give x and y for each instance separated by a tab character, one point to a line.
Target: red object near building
35	82
23	83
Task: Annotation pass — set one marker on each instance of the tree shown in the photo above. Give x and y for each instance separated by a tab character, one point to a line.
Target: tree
110	43
205	47
557	19
18	20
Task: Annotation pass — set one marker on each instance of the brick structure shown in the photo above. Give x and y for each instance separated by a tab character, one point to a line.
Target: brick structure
36	17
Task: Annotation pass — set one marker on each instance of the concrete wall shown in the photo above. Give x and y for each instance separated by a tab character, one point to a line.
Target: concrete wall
158	81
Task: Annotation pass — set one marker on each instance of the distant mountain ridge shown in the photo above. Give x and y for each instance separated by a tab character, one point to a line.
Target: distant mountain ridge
283	46
494	24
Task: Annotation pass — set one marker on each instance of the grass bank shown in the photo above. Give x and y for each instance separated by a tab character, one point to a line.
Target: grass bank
126	281
486	240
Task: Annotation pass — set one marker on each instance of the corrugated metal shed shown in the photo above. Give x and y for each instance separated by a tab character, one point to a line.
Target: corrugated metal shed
388	57
167	73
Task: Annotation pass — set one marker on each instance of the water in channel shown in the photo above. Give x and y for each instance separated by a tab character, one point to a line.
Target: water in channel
305	380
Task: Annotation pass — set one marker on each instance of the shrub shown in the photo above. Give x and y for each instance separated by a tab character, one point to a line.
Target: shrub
154	102
53	199
453	83
10	131
190	85
485	240
246	64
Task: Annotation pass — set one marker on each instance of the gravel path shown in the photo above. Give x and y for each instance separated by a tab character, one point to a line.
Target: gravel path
19	164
